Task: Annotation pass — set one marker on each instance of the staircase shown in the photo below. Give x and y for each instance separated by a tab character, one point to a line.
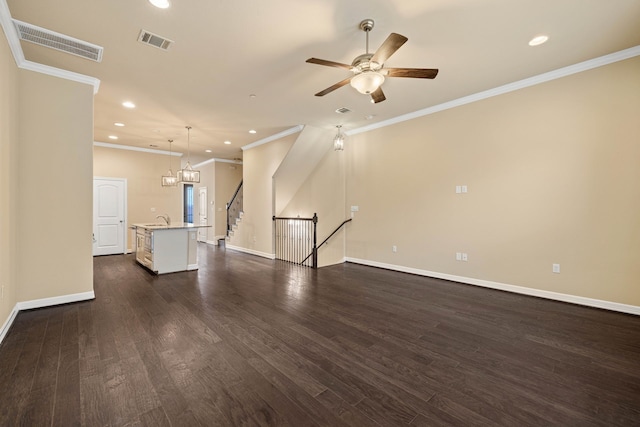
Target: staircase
234	226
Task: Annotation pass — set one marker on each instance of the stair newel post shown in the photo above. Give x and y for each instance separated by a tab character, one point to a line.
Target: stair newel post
315	248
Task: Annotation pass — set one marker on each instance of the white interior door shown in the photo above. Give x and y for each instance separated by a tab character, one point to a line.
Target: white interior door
109	216
202	213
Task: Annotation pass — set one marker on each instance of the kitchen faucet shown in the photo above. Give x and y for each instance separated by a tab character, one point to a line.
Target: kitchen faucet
166	218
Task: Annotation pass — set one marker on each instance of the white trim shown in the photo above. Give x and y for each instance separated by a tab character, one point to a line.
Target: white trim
130	148
510	87
11	33
251	251
206	162
279	135
556	296
16	49
40	303
63	74
62	299
8	323
212	242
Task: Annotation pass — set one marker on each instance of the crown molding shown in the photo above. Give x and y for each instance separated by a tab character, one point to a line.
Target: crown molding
510	87
130	148
214	160
274	137
16	49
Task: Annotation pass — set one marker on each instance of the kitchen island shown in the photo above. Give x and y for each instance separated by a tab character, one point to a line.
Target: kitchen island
167	248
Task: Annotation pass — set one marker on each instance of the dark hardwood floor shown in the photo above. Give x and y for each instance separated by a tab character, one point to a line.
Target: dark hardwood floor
250	341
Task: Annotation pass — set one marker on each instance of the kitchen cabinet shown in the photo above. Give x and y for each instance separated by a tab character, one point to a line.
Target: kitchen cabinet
167	249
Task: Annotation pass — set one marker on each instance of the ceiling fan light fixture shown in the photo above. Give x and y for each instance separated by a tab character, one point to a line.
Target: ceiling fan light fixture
367	81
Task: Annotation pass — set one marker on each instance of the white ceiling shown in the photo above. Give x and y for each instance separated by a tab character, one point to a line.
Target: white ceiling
225	51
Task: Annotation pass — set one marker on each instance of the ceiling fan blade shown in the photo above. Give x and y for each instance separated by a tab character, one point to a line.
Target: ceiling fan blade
378	95
334	87
388	48
417	73
328	63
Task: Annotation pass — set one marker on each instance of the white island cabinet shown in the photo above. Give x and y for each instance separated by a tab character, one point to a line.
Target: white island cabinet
167	249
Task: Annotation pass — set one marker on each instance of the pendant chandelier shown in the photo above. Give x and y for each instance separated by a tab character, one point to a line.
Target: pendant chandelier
187	174
169	180
338	140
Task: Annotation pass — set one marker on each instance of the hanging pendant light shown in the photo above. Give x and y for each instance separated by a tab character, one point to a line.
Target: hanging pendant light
338	140
187	174
169	180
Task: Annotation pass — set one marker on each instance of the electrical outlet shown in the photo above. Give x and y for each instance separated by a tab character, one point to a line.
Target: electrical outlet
465	257
394	248
555	268
464	188
458	189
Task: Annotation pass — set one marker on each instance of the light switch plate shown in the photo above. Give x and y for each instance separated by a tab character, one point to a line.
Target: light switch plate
556	268
355	208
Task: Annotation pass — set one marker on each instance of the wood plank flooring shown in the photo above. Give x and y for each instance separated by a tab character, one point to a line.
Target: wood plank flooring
250	341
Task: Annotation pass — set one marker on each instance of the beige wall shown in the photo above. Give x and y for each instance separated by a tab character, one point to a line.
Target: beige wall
323	192
145	192
8	181
552	174
228	177
54	197
259	164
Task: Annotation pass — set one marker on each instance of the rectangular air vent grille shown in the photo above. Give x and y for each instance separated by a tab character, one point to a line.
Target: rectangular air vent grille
154	40
343	110
57	41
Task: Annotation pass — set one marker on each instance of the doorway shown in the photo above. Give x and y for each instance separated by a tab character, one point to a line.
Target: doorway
187	199
109	216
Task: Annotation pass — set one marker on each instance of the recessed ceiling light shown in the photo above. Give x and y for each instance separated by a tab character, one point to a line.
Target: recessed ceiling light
207	151
113	137
369	116
119	124
252	131
162	4
538	40
253	95
227	142
128	104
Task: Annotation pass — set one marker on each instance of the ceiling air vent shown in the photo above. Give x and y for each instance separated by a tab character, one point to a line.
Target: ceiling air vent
154	40
343	110
57	41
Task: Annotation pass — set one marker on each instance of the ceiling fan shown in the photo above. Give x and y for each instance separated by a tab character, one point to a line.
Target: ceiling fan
368	69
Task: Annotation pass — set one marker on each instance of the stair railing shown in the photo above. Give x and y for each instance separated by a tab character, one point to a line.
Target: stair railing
234	207
296	237
315	254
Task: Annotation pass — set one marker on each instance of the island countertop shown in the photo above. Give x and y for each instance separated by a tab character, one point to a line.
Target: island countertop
172	226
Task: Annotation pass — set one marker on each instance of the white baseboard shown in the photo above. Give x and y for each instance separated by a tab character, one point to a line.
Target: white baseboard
251	251
574	299
63	299
212	242
8	323
41	303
